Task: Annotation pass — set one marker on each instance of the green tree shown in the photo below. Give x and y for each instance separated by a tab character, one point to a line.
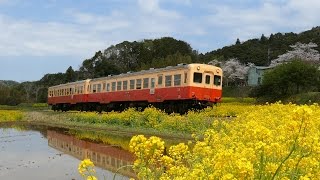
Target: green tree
70	75
288	79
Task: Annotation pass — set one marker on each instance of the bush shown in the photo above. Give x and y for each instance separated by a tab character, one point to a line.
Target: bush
288	79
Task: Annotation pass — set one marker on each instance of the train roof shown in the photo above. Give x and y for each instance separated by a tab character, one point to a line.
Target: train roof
150	71
70	83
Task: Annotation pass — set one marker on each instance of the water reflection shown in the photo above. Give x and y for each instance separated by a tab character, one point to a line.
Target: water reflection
40	152
105	156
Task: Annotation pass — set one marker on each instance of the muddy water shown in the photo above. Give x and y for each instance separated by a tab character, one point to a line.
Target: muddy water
44	153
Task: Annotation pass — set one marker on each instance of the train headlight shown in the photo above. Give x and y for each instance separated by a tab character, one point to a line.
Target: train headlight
198	68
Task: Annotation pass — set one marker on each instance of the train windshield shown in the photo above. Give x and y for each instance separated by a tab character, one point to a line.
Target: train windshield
217	80
197	77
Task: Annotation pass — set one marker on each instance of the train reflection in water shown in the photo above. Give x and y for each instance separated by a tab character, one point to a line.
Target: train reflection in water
102	155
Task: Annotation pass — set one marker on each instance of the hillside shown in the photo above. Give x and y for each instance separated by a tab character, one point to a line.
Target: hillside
8	83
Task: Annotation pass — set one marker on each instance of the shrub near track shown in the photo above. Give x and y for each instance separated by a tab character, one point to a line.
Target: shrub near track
10	115
151	118
192	122
272	142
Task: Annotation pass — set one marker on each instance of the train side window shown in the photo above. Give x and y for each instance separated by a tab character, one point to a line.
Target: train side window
125	85
197	77
177	80
108	87
168	80
113	86
119	84
152	82
185	77
132	82
217	80
138	84
98	87
207	79
94	88
103	86
145	83
160	80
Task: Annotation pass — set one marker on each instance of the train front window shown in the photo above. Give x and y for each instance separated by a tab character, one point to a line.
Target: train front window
177	79
168	80
217	80
207	79
197	77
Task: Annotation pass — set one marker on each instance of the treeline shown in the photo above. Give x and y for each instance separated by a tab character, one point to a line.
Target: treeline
166	51
261	51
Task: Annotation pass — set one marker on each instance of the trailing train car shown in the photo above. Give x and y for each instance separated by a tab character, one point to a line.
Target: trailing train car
174	89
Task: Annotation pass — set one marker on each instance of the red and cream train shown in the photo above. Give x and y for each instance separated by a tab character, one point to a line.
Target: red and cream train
174	89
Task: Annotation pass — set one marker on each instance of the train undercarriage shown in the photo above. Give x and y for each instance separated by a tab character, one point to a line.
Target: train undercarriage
182	106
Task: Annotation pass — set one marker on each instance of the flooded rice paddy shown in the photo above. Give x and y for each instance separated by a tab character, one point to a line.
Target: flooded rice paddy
29	152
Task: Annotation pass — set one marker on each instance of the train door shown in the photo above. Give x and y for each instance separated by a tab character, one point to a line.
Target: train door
153	82
208	80
208	84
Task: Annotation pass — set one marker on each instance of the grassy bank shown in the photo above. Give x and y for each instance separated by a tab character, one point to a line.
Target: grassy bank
26	107
150	121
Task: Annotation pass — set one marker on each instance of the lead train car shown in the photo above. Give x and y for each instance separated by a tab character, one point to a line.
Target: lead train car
174	89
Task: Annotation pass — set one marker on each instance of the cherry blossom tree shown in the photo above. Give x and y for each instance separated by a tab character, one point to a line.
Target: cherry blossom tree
305	52
234	71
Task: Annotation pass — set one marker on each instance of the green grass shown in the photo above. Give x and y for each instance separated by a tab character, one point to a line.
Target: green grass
245	100
304	98
26	107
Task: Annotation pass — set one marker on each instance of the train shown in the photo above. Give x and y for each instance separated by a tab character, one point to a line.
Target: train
173	89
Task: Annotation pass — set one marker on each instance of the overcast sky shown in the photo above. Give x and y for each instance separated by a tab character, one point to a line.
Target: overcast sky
47	36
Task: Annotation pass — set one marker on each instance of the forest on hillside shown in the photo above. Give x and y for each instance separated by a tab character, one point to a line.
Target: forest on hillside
155	53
